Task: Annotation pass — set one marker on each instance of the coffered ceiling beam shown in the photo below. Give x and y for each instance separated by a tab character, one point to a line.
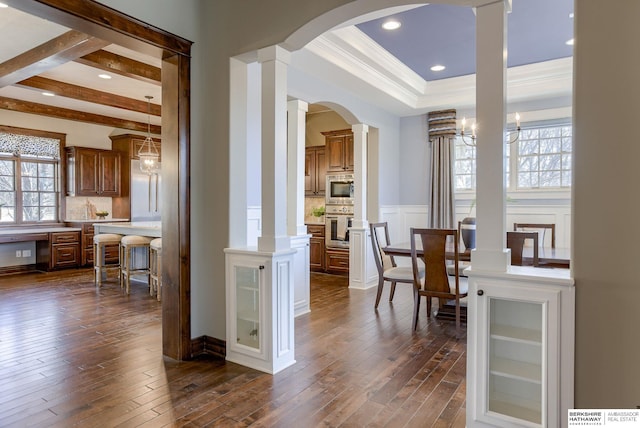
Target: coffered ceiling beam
90	95
117	64
78	116
64	48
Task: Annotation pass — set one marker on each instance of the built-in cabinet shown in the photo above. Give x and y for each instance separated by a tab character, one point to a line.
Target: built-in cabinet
316	247
93	172
520	341
63	249
315	171
337	260
112	252
339	150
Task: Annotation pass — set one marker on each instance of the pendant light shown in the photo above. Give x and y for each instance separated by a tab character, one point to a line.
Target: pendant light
148	153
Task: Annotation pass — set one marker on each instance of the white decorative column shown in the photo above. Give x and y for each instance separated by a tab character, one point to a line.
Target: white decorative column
274	62
359	240
491	71
295	204
260	284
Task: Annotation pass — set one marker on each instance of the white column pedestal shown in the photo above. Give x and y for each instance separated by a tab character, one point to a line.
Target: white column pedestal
301	275
362	270
259	298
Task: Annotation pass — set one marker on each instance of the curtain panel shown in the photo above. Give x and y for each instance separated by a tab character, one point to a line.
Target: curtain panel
442	132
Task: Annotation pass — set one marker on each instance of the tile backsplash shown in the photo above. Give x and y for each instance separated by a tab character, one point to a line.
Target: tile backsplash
309	204
84	208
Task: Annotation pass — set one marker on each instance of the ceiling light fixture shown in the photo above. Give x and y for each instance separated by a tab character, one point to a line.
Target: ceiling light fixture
391	25
438	67
513	137
3	5
569	42
48	94
148	153
104	76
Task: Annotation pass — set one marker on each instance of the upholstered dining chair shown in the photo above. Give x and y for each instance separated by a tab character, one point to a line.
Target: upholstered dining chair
387	268
540	228
436	281
516	240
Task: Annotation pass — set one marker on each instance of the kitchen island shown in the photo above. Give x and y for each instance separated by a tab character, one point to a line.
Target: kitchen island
152	229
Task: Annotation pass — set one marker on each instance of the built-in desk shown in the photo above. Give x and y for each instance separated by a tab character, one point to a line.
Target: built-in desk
56	247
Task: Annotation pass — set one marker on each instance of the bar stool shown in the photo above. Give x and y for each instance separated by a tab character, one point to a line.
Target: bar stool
155	267
100	265
128	267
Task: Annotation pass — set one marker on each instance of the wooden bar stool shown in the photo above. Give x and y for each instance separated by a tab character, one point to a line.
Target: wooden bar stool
100	265
155	267
128	259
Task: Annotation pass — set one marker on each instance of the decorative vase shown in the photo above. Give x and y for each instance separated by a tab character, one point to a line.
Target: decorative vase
468	232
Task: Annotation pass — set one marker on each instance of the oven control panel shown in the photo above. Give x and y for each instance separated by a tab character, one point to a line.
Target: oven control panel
339	209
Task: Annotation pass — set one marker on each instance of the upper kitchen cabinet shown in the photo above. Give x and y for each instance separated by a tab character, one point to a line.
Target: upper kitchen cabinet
339	150
93	172
131	144
315	171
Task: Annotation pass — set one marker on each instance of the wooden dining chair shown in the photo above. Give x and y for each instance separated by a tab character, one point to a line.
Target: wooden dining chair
387	268
515	241
436	282
540	228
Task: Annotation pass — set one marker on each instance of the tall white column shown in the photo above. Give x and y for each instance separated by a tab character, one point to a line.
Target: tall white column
274	61
360	253
295	199
295	172
360	132
491	71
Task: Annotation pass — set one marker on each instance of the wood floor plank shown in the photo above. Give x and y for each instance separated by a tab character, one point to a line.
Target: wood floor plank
74	355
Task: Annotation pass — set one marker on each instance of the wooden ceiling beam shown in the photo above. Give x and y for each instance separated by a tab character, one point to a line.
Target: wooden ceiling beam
78	116
64	48
118	64
89	95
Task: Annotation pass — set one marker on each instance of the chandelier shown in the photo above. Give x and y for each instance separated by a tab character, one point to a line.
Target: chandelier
470	140
148	153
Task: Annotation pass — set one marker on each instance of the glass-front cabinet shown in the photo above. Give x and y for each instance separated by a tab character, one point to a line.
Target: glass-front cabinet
517	338
248	305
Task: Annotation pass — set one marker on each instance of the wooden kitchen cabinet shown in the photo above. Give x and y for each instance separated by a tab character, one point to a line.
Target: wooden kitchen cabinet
112	252
337	260
339	150
64	248
316	247
93	172
315	171
131	144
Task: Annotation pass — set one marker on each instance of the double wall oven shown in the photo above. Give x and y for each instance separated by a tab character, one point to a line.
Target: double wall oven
338	210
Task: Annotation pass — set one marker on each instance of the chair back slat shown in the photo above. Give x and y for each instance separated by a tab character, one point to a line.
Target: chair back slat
541	229
516	242
434	244
379	240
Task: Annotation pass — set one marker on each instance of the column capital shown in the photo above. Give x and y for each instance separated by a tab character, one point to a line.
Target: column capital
297	105
360	127
274	53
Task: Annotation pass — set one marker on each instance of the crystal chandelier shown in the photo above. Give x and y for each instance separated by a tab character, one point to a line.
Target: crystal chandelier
148	153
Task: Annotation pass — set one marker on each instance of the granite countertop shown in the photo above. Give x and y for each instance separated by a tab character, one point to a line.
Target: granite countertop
21	230
96	220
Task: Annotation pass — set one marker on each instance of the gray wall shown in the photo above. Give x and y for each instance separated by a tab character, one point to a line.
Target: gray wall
607	90
415	155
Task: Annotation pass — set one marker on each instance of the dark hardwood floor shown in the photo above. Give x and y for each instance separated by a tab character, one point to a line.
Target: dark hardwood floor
71	355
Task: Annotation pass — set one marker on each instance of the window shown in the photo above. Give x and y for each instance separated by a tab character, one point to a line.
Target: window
29	177
540	160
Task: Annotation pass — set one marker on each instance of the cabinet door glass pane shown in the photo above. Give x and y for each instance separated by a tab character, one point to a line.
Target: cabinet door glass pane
515	359
248	306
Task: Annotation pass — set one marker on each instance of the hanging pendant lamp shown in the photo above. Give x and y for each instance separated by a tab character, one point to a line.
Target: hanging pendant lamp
148	153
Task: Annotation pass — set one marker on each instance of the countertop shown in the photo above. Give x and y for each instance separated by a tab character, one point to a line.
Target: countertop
144	228
96	220
20	230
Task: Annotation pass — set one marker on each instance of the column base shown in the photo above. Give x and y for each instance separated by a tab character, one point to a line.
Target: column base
362	271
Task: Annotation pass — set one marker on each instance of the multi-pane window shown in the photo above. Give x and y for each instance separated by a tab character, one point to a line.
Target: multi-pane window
544	158
465	165
541	159
29	179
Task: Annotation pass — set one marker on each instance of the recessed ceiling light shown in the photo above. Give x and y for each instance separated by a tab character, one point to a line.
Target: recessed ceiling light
104	76
391	25
569	42
3	5
438	67
48	94
571	15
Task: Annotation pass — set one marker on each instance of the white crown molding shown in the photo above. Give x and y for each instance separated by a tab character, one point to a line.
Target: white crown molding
351	50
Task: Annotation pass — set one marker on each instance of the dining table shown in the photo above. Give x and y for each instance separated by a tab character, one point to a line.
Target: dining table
548	257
